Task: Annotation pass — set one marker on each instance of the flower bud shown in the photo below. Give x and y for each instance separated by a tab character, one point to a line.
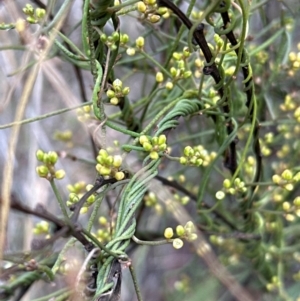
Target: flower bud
40	13
40	155
52	157
141	6
143	139
130	51
114	101
154	155
103	37
126	91
168	233
159	77
140	42
147	146
117	161
119	175
180	230
110	93
115	36
42	171
177	243
169	85
60	174
154	18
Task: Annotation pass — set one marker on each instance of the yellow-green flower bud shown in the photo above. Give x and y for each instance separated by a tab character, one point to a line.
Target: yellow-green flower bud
115	36
119	175
177	56
180	64
276	179
104	171
42	171
141	6
40	13
60	174
126	91
109	160
28	9
103	153
198	63
159	77
185	200
147	146
73	197
183	160
124	38
286	206
110	93
189	226
117	84
154	155
287	175
168	233
187	74
198	162
188	151
40	155
162	139
154	18
180	231
226	183
114	101
177	243
91	199
102	220
186	52
103	37
52	157
173	71
143	139
220	195
140	42
169	85
117	161
162	10
162	147
83	210
130	51
87	109
297	201
31	20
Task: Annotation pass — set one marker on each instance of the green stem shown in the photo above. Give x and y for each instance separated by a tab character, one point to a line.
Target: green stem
59	199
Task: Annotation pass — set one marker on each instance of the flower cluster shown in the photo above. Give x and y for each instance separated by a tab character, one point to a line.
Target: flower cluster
117	91
34	16
294	61
42	227
76	192
47	170
154	145
151	11
109	166
112	39
187	232
106	231
150	200
234	188
196	156
84	113
287	179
